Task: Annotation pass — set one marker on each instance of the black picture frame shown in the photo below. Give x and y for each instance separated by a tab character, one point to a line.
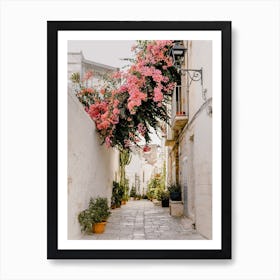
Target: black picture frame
53	27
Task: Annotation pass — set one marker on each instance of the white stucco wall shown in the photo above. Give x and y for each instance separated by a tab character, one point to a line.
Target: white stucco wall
195	144
91	167
201	56
203	173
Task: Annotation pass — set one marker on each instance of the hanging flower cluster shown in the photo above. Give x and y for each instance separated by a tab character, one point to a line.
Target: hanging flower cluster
128	104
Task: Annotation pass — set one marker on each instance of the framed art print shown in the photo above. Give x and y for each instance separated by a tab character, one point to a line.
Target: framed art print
139	140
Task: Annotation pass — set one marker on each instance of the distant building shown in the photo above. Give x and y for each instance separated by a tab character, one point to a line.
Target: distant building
143	166
78	64
189	138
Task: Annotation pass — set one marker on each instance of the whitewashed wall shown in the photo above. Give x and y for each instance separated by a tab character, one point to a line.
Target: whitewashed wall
202	128
195	145
91	167
139	167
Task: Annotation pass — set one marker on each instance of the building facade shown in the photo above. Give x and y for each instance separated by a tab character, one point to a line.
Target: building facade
77	63
189	136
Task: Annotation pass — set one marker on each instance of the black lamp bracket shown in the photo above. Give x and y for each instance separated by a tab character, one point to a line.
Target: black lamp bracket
194	75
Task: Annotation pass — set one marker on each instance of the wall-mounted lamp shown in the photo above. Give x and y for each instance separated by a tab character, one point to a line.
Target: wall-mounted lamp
177	53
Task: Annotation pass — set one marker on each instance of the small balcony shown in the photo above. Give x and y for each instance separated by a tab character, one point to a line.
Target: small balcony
179	109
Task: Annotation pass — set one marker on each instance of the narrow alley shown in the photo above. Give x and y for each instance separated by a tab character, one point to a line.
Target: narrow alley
141	219
139	133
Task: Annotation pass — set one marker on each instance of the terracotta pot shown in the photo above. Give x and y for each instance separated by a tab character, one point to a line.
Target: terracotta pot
99	227
123	202
113	206
180	113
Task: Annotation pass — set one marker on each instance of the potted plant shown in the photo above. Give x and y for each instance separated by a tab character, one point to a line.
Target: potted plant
100	205
175	192
98	225
122	194
113	202
164	198
95	216
150	195
100	213
117	194
124	199
133	193
85	220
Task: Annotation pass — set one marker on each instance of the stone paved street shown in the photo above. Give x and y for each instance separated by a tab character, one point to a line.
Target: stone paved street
141	219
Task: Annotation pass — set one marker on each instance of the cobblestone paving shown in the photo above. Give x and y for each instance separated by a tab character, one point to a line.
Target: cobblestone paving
143	220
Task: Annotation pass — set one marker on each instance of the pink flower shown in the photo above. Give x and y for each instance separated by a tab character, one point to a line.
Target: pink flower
141	129
127	143
131	108
122	89
165	79
114	120
103	125
87	90
97	109
146	149
117	75
169	63
158	97
88	75
170	86
116	102
108	142
157	76
104	116
116	111
147	71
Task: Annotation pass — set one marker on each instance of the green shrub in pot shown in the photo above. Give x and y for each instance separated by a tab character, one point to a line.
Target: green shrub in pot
97	211
175	192
99	206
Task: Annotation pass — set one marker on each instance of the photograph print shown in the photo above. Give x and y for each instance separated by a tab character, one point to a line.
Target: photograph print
141	172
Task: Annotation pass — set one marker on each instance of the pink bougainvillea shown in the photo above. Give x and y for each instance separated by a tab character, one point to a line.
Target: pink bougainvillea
141	129
132	101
